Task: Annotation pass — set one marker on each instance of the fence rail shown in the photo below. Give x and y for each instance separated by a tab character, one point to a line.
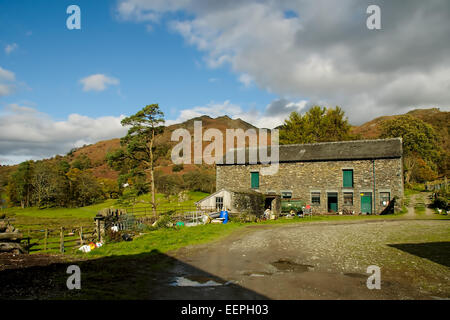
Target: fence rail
59	239
62	238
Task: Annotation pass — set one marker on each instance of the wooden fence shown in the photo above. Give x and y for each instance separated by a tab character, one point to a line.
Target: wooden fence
59	239
66	238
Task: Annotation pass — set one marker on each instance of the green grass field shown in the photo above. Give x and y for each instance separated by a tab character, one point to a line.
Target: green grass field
36	218
162	240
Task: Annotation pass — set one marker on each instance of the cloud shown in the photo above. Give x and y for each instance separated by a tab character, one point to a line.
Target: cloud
246	80
322	50
10	48
7	82
98	82
26	133
283	107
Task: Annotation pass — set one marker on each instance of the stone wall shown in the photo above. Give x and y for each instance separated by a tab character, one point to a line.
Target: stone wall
302	178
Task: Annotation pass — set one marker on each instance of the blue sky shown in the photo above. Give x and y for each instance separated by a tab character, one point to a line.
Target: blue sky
154	66
257	60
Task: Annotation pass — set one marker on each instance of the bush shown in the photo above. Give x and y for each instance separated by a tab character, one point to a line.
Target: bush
177	168
441	203
246	217
200	180
164	221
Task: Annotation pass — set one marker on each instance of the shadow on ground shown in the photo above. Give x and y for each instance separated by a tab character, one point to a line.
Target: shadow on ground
438	252
151	275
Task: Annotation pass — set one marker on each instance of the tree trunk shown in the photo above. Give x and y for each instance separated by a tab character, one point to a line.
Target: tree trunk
152	175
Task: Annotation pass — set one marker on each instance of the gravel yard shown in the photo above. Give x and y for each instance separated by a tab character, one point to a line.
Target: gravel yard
314	260
330	260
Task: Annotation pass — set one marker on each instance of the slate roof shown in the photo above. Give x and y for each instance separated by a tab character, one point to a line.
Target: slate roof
329	151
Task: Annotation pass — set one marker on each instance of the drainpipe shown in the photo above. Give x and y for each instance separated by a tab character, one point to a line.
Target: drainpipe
374	200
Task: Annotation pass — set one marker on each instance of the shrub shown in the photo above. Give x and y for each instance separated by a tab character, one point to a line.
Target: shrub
441	203
177	168
246	217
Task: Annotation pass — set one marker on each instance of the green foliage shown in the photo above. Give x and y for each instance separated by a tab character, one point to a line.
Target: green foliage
20	184
110	188
137	155
421	149
316	125
245	217
200	180
441	203
168	184
51	186
419	138
64	166
177	168
164	221
85	189
128	198
82	162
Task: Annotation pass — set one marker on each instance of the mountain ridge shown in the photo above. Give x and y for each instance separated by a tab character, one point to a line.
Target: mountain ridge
369	130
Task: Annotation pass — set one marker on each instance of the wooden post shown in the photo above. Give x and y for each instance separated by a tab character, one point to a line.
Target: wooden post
81	236
45	239
61	241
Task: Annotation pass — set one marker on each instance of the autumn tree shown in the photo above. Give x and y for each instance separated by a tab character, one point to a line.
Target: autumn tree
316	125
85	189
20	184
138	153
110	188
421	150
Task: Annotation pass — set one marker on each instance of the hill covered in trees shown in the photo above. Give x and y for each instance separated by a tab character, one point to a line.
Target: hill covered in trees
87	177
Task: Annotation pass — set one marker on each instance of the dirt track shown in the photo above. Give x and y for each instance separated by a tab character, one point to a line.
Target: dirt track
319	261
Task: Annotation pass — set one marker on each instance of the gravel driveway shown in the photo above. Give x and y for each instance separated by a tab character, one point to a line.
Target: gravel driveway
317	261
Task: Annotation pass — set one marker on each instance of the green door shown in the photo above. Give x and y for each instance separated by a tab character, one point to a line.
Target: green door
333	207
366	203
332	202
254	180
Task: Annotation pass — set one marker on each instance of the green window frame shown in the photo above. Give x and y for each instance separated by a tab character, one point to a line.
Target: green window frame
347	177
254	178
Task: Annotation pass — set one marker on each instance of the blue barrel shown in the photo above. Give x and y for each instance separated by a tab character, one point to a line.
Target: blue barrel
224	215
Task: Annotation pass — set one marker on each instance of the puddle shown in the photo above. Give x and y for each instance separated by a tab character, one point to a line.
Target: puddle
287	265
197	281
257	274
356	275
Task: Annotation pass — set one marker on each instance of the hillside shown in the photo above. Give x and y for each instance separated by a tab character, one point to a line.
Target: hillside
438	119
97	152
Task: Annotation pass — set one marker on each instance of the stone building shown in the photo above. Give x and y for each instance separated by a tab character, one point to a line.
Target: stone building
363	176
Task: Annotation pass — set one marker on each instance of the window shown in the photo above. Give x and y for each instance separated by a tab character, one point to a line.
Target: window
347	175
255	180
315	198
348	198
219	203
385	197
286	194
